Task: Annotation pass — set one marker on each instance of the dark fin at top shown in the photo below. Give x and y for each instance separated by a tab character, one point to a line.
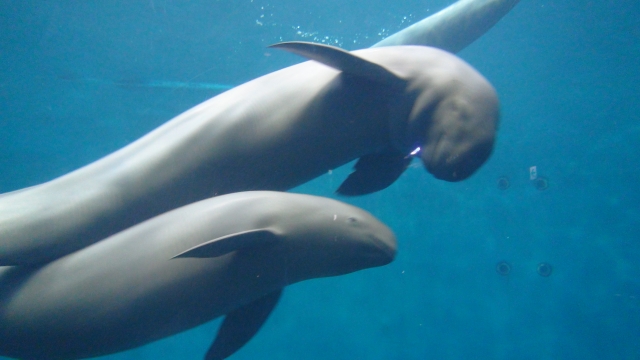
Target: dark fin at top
374	172
226	244
341	60
240	325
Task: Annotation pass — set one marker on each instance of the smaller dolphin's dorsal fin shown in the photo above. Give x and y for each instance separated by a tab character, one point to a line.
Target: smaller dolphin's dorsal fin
342	60
228	243
240	325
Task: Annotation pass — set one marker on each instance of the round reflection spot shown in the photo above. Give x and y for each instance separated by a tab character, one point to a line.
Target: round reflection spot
541	183
503	268
545	269
503	183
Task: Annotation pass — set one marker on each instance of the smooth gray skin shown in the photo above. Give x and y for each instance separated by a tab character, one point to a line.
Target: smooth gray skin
127	290
273	133
454	27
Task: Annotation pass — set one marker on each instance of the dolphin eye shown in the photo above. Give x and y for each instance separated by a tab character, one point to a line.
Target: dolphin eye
352	220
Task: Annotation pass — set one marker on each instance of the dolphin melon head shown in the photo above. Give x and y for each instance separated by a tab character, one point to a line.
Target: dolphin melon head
324	237
436	102
454	120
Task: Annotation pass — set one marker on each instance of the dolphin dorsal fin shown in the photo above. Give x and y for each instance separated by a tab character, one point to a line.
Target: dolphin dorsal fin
240	325
342	60
228	243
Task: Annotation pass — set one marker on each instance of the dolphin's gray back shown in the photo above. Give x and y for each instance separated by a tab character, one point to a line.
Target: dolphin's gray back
453	28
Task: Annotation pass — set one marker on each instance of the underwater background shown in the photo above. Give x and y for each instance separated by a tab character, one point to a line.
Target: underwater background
81	79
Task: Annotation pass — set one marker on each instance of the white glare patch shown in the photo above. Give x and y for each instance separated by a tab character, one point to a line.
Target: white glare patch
417	150
335	217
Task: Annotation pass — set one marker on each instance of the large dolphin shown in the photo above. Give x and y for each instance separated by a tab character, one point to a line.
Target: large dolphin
231	255
274	133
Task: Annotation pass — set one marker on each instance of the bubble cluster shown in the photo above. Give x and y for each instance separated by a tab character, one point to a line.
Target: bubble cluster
265	18
315	36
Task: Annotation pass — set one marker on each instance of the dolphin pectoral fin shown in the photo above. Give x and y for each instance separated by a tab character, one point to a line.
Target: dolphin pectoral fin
341	60
228	243
240	325
374	172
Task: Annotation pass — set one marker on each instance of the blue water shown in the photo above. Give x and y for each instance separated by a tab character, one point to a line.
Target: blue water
77	82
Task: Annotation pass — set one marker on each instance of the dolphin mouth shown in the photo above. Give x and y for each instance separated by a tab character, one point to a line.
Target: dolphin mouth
389	255
459	165
441	163
385	250
451	168
428	153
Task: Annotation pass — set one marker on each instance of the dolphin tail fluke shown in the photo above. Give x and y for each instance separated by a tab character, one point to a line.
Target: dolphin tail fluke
240	325
455	27
374	172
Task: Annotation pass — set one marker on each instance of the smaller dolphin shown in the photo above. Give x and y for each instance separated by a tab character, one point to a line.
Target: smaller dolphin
230	255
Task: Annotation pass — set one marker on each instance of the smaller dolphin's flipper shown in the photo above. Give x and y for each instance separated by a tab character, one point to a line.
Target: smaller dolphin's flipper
342	60
374	172
226	244
240	325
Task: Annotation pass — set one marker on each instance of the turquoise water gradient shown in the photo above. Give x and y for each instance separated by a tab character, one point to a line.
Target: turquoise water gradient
73	88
